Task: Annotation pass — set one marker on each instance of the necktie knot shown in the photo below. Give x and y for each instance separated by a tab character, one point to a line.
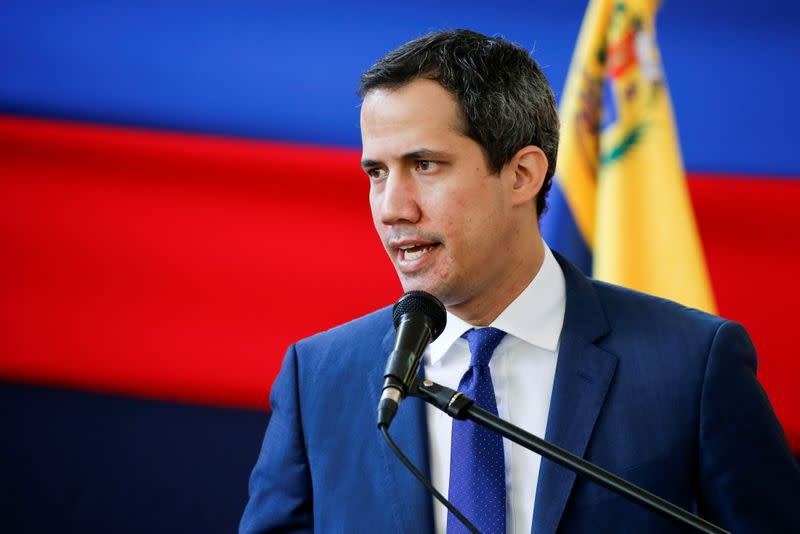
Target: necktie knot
482	342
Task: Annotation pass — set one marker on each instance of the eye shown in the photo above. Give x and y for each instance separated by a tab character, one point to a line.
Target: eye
376	174
426	165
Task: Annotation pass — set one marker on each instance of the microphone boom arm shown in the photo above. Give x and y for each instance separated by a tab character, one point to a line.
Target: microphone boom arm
459	406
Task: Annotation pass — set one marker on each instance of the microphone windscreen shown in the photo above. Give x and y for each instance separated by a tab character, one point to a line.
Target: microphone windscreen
424	303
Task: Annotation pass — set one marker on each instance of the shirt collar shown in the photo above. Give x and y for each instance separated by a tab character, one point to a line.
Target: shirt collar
536	316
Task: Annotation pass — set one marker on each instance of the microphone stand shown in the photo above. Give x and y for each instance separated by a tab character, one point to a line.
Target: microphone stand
459	406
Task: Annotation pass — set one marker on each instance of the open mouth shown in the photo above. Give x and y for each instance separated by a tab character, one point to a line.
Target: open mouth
415	252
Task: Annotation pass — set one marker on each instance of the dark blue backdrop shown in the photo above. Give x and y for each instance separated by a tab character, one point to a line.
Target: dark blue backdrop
105	463
289	71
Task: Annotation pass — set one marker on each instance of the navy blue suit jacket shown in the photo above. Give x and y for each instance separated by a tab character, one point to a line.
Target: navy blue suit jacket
663	395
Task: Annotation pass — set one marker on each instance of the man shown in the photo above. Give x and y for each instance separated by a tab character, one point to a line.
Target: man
460	135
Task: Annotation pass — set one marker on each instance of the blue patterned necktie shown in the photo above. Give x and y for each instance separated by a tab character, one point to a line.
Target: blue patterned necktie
477	467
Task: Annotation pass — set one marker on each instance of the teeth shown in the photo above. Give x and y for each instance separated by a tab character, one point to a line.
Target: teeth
410	256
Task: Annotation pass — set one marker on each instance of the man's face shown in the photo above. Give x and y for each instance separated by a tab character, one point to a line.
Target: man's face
443	217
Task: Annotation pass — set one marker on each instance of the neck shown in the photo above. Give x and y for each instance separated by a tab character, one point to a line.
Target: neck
483	310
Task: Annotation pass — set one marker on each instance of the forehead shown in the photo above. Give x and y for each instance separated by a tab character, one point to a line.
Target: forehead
421	112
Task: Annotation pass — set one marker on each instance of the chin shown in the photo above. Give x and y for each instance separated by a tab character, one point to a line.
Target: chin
416	284
438	290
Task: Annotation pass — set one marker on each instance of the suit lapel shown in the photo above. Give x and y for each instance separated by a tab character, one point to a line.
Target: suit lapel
410	502
583	376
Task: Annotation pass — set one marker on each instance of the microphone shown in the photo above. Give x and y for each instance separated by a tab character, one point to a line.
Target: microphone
419	318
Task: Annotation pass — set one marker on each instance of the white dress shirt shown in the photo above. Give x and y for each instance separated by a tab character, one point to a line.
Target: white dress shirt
523	368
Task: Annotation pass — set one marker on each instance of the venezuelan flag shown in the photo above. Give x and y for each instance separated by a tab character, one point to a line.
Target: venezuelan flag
180	199
620	206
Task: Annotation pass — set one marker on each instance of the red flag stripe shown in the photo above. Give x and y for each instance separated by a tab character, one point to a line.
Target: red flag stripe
180	266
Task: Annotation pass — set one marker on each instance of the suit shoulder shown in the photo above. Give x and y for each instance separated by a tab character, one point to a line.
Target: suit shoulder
621	303
372	325
326	360
658	325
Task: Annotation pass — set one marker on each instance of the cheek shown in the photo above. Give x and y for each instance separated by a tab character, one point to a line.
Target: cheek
380	229
445	265
452	210
374	207
479	236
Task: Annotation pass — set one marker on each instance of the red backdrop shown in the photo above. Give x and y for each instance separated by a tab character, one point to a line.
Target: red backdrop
180	267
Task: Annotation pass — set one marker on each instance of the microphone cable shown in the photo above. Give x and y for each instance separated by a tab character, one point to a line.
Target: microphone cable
416	472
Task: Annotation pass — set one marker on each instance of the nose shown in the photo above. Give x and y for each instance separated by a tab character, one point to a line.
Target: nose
399	200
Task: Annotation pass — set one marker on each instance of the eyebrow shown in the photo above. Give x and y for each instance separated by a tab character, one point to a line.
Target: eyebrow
422	153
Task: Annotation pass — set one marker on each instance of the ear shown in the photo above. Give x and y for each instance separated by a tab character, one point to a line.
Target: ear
529	166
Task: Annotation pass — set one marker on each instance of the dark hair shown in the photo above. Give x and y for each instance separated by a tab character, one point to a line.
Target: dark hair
504	98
